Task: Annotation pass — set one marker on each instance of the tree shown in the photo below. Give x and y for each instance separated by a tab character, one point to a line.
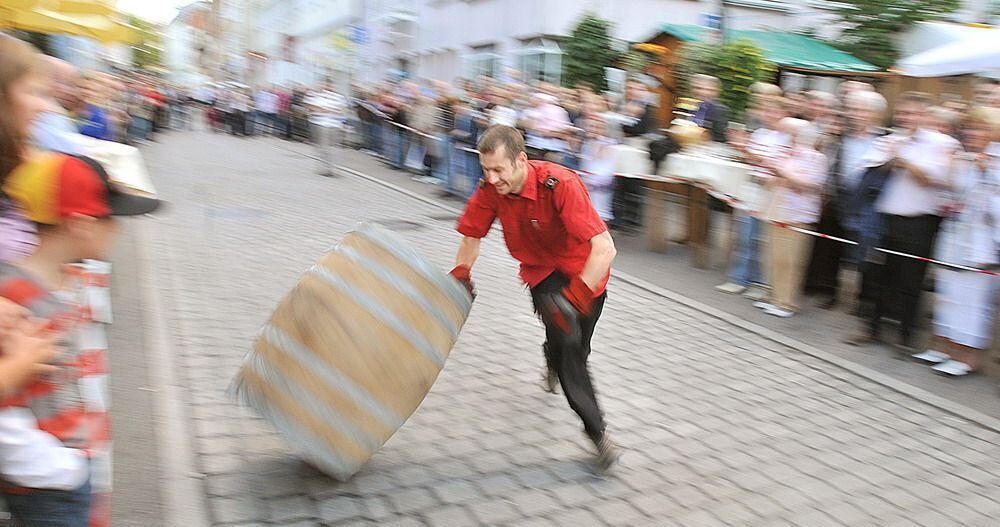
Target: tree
737	65
588	52
147	50
871	25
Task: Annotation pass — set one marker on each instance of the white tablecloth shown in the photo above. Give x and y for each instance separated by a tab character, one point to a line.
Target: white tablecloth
722	175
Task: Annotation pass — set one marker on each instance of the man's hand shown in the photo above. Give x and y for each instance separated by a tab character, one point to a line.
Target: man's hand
463	274
579	294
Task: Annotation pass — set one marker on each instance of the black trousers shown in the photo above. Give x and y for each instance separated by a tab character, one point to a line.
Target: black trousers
570	362
902	279
823	275
627	200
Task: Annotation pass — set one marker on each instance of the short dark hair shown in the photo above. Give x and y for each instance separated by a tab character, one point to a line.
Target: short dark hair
498	136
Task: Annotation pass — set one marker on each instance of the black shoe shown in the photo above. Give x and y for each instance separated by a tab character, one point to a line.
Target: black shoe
607	454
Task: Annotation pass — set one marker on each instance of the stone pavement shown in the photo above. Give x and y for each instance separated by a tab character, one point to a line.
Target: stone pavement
721	425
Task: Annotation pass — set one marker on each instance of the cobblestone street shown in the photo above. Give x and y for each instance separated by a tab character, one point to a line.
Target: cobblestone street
720	424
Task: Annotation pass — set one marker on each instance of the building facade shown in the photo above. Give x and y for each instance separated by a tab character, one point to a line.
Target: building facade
446	39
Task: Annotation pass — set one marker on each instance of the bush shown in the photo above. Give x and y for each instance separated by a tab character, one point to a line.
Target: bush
737	65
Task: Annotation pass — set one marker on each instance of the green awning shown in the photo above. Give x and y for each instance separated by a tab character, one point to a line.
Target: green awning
787	50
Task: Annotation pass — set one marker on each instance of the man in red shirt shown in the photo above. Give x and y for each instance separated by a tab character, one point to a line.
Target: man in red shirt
565	251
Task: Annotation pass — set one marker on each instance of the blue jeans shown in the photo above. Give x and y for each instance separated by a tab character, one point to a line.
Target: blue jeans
746	268
442	165
51	508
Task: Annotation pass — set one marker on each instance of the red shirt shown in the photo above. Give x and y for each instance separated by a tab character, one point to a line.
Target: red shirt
547	227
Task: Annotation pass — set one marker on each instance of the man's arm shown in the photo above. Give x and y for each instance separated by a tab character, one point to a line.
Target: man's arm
598	265
468	251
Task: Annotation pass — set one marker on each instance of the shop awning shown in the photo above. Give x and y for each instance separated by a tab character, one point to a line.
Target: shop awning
787	50
89	21
977	54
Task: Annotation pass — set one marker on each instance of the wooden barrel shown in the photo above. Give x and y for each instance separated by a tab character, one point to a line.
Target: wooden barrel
353	348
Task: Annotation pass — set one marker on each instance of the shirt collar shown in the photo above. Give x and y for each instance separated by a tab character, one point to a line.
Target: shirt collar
530	190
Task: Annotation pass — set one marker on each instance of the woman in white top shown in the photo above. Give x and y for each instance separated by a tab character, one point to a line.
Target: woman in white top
794	199
597	164
966	300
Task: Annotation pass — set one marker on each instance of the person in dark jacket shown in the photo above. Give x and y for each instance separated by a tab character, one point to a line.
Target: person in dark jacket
629	192
711	115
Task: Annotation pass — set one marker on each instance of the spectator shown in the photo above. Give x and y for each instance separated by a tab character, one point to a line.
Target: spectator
639	119
54	433
966	301
711	115
546	123
93	117
424	119
795	186
918	159
766	147
639	109
849	206
24	84
327	114
54	129
597	162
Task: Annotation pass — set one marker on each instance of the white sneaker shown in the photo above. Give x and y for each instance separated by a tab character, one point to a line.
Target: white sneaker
932	357
763	305
779	312
730	288
953	368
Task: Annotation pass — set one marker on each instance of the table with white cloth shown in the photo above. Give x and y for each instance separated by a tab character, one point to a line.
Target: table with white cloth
685	175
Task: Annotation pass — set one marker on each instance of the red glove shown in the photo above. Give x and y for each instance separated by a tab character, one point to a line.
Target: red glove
463	274
579	294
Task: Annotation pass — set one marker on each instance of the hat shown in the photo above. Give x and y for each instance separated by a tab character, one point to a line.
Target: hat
53	186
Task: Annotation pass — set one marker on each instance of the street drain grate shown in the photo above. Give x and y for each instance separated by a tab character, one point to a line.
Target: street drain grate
401	225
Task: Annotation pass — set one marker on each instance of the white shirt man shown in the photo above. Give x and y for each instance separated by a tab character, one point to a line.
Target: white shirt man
327	108
930	152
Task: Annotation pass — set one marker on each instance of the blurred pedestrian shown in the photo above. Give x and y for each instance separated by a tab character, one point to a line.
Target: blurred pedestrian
327	111
919	159
849	206
24	85
795	189
597	164
54	129
966	301
93	117
711	115
766	147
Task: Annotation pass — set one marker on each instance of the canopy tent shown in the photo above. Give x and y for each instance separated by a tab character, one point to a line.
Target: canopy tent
94	19
979	53
790	51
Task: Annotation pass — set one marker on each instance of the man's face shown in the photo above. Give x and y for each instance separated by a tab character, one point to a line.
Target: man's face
859	116
702	91
910	115
505	174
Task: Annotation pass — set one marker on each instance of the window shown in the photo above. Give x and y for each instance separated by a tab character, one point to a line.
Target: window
483	61
540	59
